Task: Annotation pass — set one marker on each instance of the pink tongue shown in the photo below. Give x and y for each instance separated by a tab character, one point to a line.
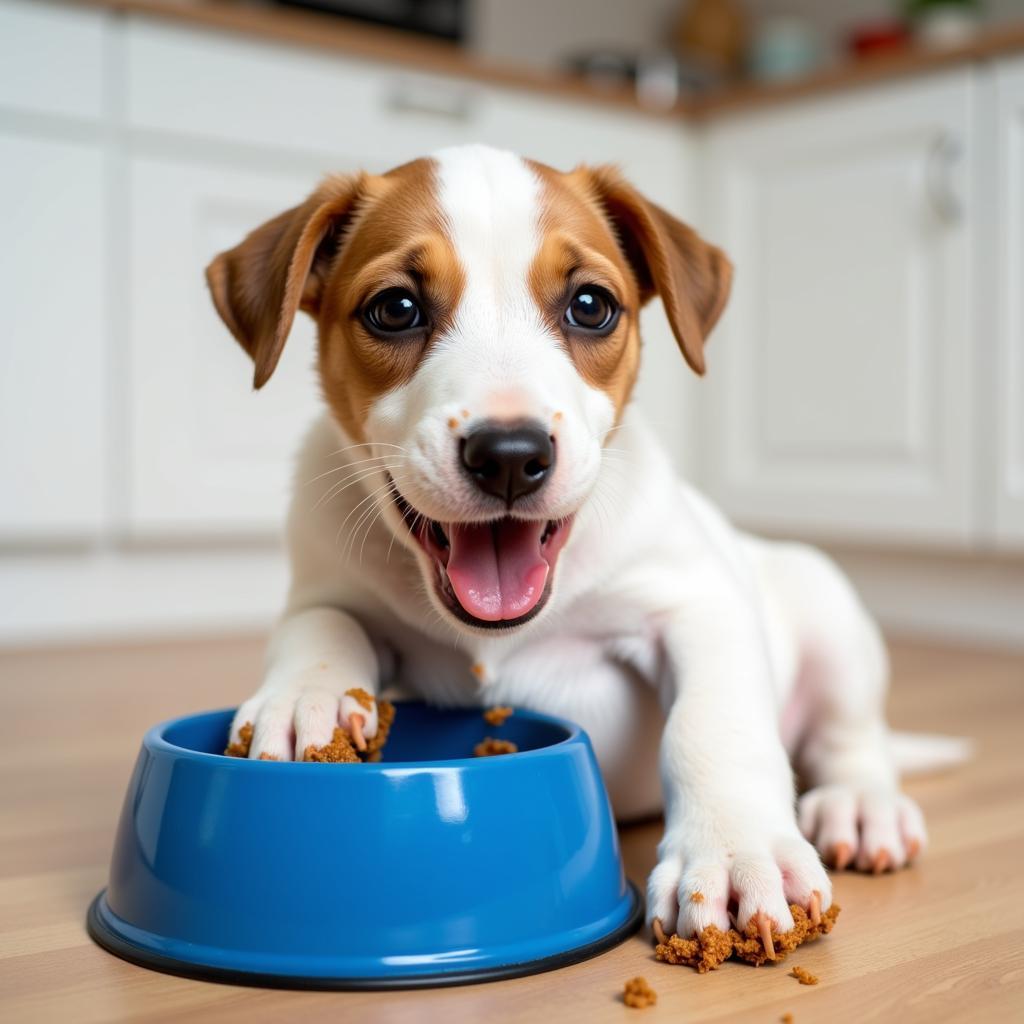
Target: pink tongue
497	570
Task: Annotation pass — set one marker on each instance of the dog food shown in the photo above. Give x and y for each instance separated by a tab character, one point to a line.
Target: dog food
497	716
804	976
385	719
491	747
786	1018
340	750
639	994
361	697
713	947
241	748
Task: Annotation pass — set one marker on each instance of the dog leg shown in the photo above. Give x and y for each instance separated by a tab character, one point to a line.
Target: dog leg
315	656
854	811
731	846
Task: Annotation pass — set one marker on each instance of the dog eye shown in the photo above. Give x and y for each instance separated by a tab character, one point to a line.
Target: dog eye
592	309
393	311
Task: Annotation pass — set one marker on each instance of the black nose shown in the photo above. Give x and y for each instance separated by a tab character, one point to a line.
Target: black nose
509	461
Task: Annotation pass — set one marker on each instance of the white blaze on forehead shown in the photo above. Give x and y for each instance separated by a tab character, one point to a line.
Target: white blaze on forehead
490	200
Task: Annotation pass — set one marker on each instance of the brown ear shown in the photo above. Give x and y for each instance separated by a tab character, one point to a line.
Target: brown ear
669	259
279	268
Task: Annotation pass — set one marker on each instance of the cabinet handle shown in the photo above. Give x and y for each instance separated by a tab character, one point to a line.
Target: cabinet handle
435	99
943	155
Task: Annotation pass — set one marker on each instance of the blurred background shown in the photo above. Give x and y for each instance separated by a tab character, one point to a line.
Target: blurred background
862	161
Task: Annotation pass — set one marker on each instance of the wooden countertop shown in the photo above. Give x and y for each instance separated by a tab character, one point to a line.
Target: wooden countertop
307	28
940	942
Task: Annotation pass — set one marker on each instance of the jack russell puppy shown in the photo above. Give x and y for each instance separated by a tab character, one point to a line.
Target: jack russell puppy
496	524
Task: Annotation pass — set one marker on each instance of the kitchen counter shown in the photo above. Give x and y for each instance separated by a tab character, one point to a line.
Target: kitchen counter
306	28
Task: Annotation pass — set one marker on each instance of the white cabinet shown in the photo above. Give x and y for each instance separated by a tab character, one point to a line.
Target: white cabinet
839	384
53	348
1009	267
208	455
51	59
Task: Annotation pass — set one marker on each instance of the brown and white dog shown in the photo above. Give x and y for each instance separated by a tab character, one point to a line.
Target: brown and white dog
476	539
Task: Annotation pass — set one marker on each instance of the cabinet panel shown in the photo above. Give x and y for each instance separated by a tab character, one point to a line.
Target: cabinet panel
232	90
1009	496
51	58
840	391
208	454
53	354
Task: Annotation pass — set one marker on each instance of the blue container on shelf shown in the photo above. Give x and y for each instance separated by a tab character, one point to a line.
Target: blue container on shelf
427	868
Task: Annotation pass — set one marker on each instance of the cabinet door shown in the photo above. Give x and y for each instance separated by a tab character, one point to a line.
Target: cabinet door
53	352
839	398
1010	302
208	455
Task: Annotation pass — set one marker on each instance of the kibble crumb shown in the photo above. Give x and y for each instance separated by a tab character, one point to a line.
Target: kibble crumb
786	1018
241	748
696	897
804	976
338	751
498	716
639	994
491	747
361	697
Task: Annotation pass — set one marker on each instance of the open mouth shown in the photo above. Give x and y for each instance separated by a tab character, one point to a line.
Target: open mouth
493	575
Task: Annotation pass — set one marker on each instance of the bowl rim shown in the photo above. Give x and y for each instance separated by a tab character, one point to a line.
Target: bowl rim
155	741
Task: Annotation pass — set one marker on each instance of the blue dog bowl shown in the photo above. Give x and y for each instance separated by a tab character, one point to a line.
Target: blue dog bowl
428	868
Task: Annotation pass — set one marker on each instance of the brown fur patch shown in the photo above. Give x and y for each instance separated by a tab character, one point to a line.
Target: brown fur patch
578	248
352	238
398	241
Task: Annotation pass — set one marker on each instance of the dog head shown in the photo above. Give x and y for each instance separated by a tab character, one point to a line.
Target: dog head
479	332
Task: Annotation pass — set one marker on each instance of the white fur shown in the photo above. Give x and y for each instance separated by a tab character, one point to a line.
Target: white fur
664	620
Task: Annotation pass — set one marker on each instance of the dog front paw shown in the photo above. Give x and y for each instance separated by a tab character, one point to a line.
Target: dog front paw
287	721
703	881
871	830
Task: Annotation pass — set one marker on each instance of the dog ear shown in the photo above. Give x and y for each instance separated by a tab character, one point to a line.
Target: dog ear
669	259
280	268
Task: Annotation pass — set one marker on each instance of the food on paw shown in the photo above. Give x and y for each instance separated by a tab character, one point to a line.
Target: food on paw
338	751
341	749
361	697
241	748
385	719
713	947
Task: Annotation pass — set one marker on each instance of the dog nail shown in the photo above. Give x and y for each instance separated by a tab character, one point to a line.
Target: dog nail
841	856
355	724
765	930
659	932
815	907
881	863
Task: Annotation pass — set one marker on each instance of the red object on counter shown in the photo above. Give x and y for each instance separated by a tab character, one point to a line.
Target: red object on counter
879	37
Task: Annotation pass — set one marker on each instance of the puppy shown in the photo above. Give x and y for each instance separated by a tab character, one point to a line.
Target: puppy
481	517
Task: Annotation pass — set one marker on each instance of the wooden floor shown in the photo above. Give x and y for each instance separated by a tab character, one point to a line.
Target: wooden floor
944	941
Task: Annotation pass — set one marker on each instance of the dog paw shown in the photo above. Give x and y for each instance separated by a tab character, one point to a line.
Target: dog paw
288	720
872	830
694	886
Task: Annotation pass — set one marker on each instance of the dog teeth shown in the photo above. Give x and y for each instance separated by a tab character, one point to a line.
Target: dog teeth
437	532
